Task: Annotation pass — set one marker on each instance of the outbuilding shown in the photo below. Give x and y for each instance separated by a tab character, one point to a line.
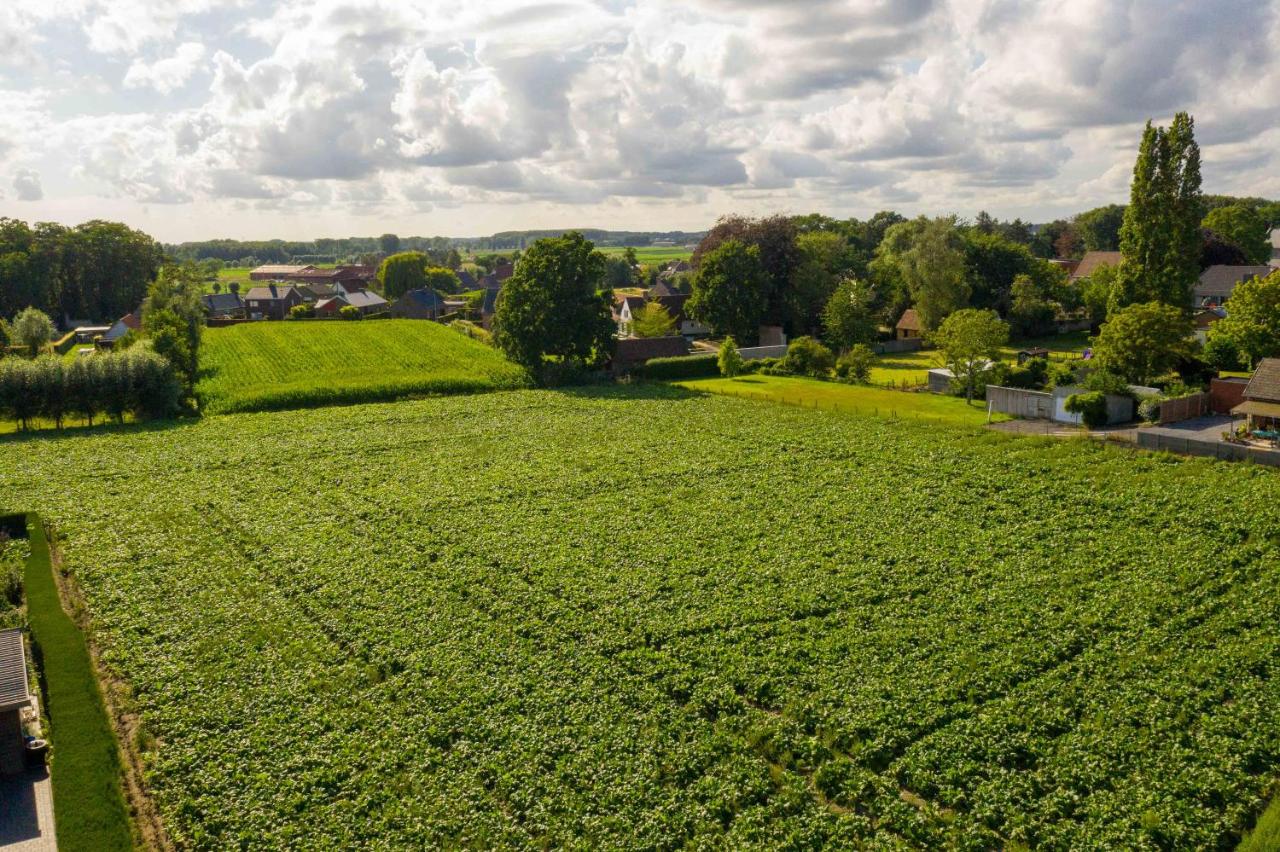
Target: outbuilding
15	696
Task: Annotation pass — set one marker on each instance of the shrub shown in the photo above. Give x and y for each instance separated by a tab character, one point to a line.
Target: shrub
1220	351
1149	408
1032	375
302	312
681	367
1057	375
1091	406
855	365
807	357
350	312
729	360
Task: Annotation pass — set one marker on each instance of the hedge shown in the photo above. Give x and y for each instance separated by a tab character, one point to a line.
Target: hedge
681	367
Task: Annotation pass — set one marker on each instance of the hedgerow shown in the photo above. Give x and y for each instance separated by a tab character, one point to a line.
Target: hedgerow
681	367
631	616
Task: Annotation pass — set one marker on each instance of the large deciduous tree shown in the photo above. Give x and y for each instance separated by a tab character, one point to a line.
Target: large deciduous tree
728	291
1099	228
551	305
1160	238
823	260
401	273
1241	224
969	340
1252	323
442	279
934	271
173	320
775	239
1144	341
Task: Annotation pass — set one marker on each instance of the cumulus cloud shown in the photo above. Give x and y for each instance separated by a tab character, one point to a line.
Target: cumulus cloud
168	74
659	107
26	183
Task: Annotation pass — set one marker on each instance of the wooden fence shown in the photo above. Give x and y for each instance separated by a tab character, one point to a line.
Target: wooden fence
1184	408
1149	439
1034	405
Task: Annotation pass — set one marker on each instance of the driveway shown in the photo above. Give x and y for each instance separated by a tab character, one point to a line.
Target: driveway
26	812
1197	428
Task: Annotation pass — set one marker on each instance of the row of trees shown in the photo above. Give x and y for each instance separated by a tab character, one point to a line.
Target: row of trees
135	382
97	270
414	270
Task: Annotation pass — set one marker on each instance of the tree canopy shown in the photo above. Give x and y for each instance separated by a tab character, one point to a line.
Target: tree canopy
1252	323
442	279
728	291
848	318
1142	342
401	273
1160	238
653	320
969	339
1241	224
550	306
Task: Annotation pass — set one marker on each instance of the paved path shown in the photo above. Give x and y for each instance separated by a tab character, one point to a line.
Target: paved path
26	812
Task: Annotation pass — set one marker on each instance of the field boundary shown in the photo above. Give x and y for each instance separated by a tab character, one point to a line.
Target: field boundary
88	800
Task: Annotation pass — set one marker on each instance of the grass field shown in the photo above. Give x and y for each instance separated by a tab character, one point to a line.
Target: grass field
639	617
855	399
909	369
653	254
276	365
88	804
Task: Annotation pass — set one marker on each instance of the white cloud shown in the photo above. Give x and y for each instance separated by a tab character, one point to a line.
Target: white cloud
166	75
671	110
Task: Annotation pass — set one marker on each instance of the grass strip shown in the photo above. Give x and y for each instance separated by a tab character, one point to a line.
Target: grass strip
1265	836
88	802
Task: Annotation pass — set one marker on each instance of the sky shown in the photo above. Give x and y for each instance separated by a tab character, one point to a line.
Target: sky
198	119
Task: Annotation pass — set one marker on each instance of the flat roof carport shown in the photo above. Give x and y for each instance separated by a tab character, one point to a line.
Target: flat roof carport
14	691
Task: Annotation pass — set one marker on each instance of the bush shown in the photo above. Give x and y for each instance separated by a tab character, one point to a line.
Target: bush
1149	408
350	312
729	360
1058	375
1031	376
807	357
681	367
855	365
1091	406
302	312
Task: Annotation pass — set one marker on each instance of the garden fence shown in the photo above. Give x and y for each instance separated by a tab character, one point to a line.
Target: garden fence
1152	440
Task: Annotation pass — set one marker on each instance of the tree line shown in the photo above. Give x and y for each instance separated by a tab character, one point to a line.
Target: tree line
97	270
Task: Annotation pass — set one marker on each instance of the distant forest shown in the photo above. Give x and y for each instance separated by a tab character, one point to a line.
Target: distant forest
352	249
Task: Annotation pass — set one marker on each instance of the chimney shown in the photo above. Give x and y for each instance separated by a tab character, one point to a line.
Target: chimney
272	287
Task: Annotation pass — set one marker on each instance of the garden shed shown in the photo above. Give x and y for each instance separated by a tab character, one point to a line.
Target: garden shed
14	697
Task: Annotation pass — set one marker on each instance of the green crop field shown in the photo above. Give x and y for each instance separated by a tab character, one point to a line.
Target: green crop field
653	254
640	617
276	365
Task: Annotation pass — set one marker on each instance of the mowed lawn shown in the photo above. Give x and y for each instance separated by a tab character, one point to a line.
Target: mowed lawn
276	365
911	369
853	399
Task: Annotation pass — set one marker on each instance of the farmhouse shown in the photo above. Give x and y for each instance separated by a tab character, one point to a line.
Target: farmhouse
909	326
1218	282
423	303
364	301
223	305
128	322
272	302
1094	260
1262	396
14	697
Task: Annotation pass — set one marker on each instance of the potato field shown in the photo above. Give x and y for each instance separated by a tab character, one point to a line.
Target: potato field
640	617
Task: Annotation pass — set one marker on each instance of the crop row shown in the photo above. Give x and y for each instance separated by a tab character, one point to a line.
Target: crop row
639	617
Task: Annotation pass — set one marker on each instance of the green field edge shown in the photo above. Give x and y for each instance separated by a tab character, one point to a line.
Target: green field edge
1265	836
355	394
88	797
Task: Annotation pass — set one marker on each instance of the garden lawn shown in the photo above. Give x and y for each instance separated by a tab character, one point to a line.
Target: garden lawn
640	617
275	365
852	399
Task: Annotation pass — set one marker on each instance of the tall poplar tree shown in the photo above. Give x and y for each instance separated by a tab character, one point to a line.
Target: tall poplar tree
1160	238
